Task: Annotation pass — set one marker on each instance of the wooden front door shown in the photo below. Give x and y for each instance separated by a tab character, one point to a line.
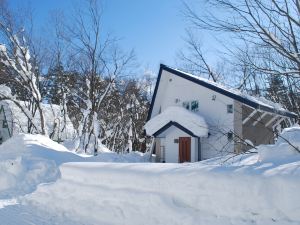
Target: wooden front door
184	149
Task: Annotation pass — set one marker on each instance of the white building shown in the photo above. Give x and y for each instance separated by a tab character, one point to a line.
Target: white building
14	121
193	119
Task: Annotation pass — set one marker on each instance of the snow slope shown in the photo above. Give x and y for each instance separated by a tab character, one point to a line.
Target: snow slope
259	189
28	160
198	193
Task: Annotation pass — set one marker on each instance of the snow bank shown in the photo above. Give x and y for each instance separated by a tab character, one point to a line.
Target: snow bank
284	148
199	193
291	134
191	121
243	190
28	160
228	190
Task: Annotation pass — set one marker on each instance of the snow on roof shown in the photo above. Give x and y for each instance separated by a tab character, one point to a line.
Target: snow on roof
189	120
261	101
18	122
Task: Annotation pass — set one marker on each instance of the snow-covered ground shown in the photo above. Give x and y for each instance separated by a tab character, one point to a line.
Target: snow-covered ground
41	182
28	160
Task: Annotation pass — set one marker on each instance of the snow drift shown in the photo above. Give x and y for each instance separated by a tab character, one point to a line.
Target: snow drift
261	189
27	160
242	192
286	147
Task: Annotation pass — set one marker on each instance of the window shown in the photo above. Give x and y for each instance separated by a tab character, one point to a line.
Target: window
4	124
194	106
186	105
191	105
230	136
229	108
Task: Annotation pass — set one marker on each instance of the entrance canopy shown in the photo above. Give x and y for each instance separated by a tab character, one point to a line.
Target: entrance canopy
179	117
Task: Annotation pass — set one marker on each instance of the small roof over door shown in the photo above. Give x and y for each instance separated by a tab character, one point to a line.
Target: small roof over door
179	117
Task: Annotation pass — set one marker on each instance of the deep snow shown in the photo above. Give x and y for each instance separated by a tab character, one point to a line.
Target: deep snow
27	160
249	189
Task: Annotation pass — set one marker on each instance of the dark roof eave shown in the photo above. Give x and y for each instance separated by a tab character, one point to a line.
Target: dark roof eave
172	123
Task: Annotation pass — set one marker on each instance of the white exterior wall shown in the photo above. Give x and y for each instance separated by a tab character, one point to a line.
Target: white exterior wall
173	87
172	149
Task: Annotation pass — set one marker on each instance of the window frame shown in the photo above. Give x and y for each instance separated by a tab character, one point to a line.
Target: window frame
229	108
195	109
186	105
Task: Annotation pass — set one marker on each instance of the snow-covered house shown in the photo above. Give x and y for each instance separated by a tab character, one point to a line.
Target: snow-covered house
14	121
192	118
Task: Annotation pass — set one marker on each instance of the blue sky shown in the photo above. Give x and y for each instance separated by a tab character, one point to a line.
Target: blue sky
154	28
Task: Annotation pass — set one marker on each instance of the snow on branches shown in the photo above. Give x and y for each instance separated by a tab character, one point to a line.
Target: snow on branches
18	69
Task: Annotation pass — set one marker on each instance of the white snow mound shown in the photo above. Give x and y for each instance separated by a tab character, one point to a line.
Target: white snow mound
189	120
27	160
285	147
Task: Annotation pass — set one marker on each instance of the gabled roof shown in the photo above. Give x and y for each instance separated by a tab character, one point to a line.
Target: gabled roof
179	117
175	124
257	103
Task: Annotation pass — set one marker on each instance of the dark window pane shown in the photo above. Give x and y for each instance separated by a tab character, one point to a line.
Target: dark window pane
229	108
194	106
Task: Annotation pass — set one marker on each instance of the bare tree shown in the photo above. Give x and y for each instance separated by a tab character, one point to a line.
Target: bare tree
195	61
271	25
100	61
267	33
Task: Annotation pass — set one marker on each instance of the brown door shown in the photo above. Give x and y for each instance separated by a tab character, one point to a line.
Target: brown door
184	149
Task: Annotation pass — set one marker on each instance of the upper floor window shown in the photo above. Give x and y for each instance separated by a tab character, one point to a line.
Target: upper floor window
194	106
191	105
186	105
230	108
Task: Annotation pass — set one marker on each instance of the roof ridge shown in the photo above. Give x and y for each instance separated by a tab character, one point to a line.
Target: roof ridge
252	101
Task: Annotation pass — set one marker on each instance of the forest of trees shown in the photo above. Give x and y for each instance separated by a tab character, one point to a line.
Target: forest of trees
86	73
96	83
